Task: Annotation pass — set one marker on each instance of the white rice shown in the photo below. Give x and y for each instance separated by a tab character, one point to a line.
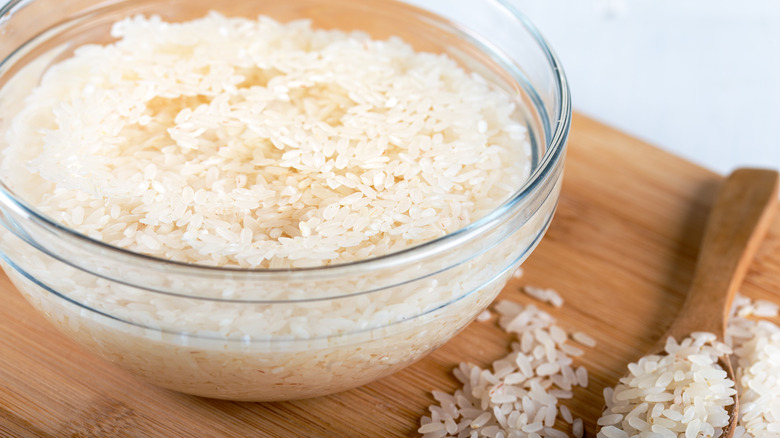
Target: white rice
584	339
756	344
250	143
486	315
755	341
236	142
520	395
549	296
683	393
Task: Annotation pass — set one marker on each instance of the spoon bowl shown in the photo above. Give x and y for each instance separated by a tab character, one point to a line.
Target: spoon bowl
743	210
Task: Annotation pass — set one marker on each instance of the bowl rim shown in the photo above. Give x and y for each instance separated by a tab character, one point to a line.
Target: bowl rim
555	151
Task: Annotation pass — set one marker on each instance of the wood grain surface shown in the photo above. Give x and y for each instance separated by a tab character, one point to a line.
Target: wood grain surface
621	252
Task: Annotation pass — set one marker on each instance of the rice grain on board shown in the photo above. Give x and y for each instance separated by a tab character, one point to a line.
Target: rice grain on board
549	296
756	344
520	395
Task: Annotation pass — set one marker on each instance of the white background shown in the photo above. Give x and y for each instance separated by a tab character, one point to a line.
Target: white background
700	78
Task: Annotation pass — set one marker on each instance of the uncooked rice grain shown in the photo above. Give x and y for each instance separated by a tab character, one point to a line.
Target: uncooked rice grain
485	315
248	143
756	344
583	338
577	428
549	296
686	381
251	143
520	396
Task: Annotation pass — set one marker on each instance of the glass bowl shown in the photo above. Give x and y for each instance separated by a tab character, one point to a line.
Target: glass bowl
282	334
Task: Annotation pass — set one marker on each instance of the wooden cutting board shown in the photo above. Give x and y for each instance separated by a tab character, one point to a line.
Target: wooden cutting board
620	251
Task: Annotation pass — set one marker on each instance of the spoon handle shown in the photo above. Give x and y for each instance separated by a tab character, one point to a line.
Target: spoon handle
738	221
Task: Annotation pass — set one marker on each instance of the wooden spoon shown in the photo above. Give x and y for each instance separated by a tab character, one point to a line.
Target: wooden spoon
743	211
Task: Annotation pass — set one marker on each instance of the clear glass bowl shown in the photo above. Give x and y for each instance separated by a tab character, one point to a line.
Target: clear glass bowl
264	335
